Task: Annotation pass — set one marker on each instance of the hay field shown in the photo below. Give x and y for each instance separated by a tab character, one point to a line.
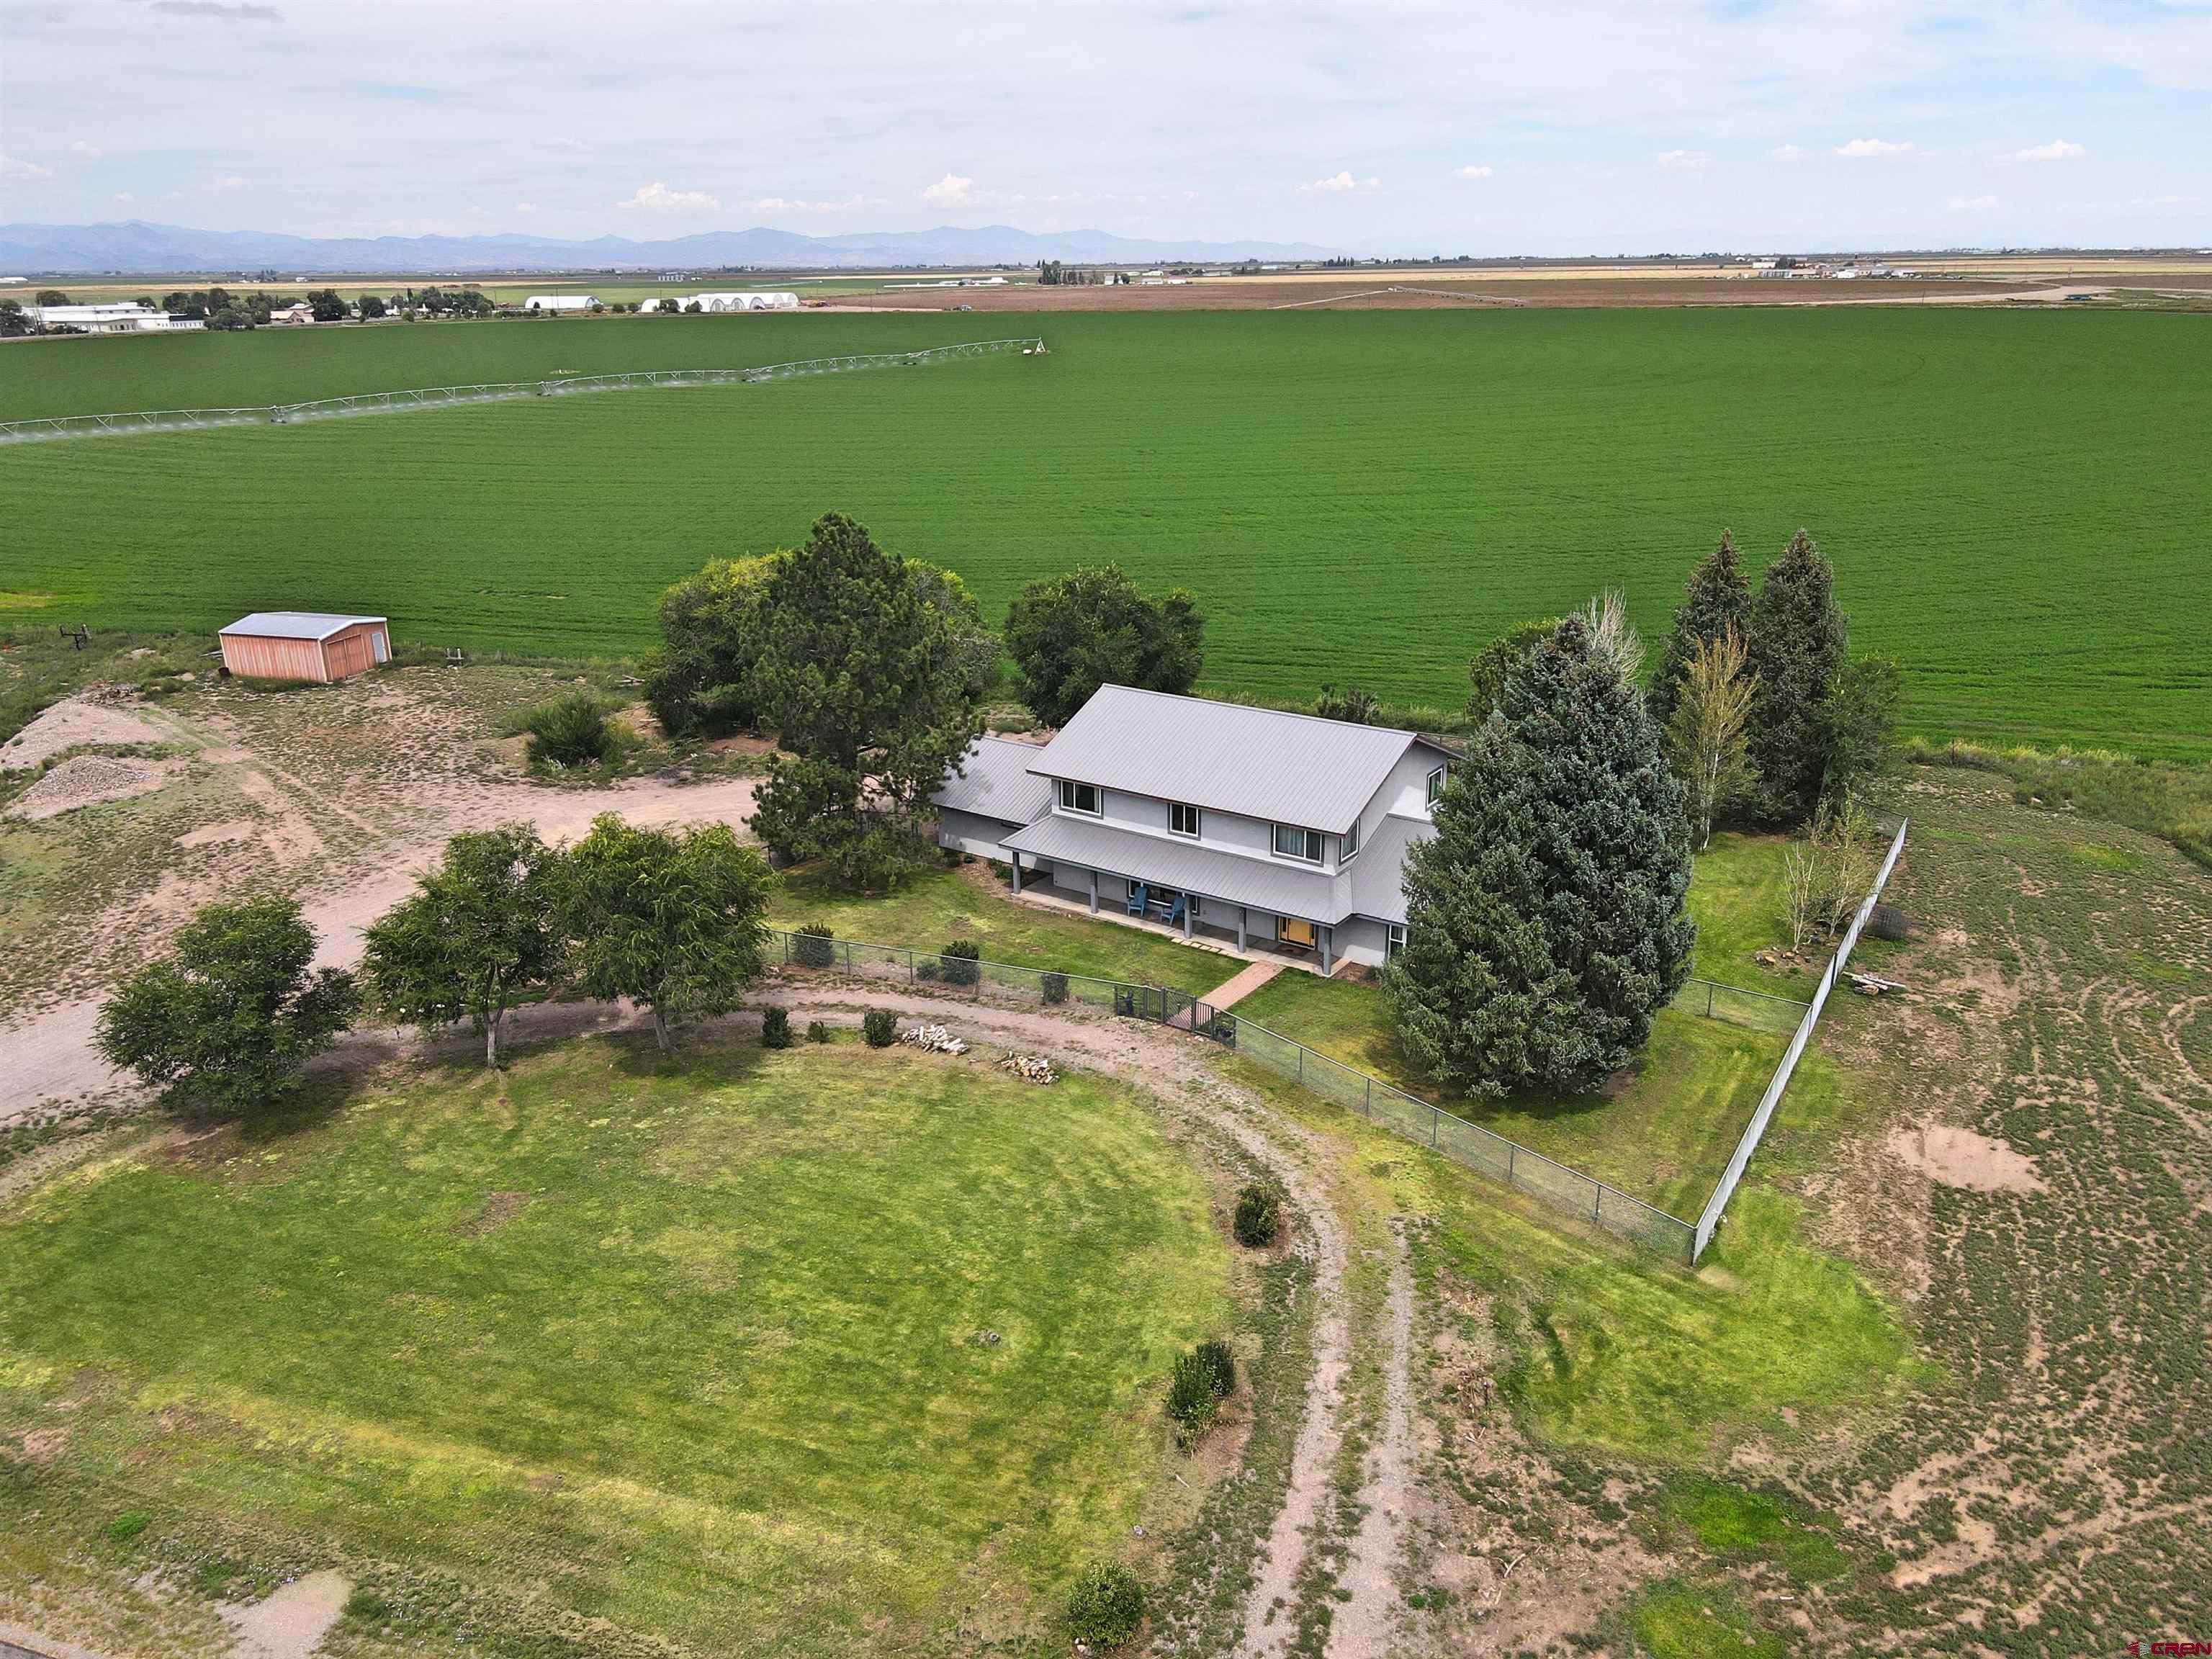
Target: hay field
2014	501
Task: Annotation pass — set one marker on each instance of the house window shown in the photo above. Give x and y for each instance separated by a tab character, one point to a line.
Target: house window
1394	939
1436	785
1291	842
1351	848
1181	819
1079	797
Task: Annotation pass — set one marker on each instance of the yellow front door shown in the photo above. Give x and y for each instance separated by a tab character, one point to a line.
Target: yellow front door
1294	933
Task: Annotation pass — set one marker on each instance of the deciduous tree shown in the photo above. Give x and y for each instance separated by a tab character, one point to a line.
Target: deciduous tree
228	1020
670	920
1070	634
865	679
482	927
697	682
1717	598
1546	921
1858	727
1705	739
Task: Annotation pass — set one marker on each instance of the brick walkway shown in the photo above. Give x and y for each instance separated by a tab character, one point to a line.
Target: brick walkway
1243	985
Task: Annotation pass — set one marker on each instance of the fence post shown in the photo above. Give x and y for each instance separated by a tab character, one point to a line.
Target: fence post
1370	1096
1709	999
909	965
1302	1064
1434	1118
787	949
1511	1147
1597	1201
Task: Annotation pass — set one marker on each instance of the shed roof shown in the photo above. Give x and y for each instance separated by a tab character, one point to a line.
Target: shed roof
297	624
1261	762
995	782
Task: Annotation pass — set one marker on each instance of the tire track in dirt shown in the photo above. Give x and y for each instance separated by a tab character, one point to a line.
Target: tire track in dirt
1368	1622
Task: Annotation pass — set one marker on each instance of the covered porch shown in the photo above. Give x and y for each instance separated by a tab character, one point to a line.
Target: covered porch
1198	919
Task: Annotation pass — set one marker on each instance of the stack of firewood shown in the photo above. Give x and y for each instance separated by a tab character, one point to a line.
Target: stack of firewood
936	1039
1031	1068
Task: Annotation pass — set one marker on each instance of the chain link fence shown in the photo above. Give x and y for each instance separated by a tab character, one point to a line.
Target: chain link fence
448	397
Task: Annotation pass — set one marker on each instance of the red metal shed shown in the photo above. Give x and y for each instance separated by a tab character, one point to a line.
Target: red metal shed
305	644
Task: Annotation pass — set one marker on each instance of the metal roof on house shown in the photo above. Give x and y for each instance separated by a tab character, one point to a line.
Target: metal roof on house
1377	876
1261	762
295	624
995	782
1165	862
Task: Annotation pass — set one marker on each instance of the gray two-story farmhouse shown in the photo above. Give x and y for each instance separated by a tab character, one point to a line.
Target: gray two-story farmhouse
1284	833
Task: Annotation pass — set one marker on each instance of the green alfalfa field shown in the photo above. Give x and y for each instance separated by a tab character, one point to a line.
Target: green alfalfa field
2015	501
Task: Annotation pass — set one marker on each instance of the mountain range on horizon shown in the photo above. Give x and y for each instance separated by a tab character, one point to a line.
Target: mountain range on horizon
134	246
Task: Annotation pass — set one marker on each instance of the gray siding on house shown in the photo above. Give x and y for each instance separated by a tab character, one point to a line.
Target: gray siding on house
971	832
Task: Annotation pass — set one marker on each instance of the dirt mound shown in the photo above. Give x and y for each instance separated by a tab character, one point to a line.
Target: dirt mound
1960	1158
84	779
91	717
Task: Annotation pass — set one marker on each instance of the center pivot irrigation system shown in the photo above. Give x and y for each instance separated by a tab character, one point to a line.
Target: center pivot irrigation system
444	397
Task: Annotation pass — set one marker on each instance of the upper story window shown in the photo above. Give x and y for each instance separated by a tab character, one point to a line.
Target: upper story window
1350	850
1436	785
1079	797
1292	842
1182	819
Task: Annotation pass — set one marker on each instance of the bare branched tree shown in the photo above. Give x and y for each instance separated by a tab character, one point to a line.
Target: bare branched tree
1705	736
1613	637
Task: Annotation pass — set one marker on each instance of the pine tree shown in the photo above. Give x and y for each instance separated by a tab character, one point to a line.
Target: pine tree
1794	647
1546	921
1718	597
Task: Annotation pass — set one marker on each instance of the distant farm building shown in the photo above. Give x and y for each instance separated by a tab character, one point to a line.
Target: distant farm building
560	302
305	644
761	301
124	318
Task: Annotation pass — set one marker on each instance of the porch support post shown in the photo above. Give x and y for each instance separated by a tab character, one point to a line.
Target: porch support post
1327	952
1243	922
1185	916
1094	892
1017	875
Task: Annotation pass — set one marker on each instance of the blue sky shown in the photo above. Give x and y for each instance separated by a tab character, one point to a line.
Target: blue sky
1558	126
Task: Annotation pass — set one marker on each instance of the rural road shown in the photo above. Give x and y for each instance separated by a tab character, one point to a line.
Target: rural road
48	1060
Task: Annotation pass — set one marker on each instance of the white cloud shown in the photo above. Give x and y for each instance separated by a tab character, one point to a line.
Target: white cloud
85	152
1341	183
952	190
1684	160
657	197
1471	173
229	181
1860	149
774	205
21	172
125	195
2058	149
526	207
1972	204
1789	153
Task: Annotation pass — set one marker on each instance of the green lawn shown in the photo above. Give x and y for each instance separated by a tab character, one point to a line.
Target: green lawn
1473	469
934	906
699	1350
1664	1131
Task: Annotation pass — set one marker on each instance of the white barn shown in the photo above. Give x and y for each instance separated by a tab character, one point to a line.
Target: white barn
560	302
122	318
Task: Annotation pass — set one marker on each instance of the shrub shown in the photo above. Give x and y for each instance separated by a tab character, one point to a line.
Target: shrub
775	1028
817	1031
1106	1606
927	969
1259	1216
367	1607
879	1027
1192	1403
811	946
1055	988
960	959
1888	922
570	732
1219	1365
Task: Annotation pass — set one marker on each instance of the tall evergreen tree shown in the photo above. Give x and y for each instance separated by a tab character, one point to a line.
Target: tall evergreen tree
1716	599
1795	648
1546	921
